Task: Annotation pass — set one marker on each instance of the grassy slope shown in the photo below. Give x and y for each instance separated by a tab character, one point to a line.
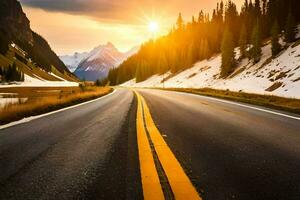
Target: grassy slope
36	92
275	102
51	99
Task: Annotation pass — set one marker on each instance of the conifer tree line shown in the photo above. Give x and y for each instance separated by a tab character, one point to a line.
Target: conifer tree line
3	43
11	73
205	36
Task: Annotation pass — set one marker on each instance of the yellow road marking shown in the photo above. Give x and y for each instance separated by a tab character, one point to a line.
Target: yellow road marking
181	185
150	180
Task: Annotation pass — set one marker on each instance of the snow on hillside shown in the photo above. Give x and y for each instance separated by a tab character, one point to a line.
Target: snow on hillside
39	82
279	76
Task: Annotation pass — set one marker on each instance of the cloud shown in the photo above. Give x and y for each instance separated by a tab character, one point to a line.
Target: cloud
102	10
70	5
122	10
95	8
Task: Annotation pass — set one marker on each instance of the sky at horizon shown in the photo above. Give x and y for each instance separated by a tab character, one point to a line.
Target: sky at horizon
80	25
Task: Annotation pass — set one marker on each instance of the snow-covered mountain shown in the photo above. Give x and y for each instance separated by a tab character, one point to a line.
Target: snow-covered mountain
72	61
278	76
97	63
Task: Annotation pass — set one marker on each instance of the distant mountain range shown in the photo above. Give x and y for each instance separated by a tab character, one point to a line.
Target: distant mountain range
96	63
72	61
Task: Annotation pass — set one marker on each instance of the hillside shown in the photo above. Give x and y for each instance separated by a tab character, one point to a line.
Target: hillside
29	51
279	76
205	36
33	74
96	63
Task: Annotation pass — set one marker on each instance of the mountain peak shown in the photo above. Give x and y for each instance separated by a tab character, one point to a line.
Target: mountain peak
99	61
110	45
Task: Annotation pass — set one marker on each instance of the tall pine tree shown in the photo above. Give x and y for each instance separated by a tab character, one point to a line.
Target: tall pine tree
228	55
290	32
201	17
256	43
276	47
179	22
243	42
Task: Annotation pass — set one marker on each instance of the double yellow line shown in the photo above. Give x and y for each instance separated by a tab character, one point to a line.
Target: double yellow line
147	133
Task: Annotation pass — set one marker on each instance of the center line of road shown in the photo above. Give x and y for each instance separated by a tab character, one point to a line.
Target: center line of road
181	185
150	180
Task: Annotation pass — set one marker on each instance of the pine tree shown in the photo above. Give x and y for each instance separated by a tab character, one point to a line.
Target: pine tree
290	32
201	17
190	56
138	74
264	7
256	43
276	47
201	54
9	73
4	42
1	74
257	9
207	18
201	50
179	22
243	42
206	50
193	20
162	64
98	82
228	55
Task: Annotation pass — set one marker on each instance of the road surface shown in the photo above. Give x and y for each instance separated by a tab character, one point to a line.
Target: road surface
220	150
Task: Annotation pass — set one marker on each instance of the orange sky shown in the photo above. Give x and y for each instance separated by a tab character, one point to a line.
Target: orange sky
73	28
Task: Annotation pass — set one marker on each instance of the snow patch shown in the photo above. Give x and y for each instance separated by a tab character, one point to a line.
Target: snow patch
38	82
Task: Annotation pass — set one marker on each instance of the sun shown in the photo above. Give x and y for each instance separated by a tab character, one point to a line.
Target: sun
153	27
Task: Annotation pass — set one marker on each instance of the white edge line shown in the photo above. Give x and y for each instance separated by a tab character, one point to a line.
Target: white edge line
28	119
242	105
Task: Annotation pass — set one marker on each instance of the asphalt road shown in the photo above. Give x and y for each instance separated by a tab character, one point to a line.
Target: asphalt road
90	152
80	153
228	151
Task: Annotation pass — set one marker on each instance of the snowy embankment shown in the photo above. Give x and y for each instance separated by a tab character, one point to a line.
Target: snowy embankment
279	76
39	82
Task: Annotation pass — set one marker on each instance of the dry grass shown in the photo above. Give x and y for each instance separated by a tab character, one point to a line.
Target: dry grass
275	102
47	103
30	92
